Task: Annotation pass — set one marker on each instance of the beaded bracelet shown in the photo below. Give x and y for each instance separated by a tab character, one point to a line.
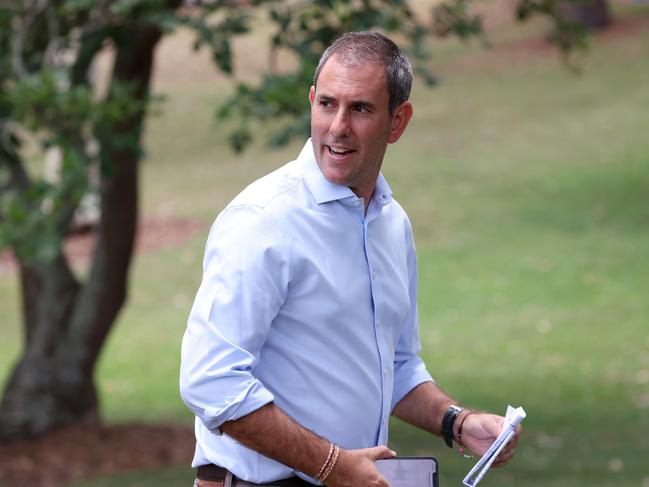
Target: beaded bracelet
459	434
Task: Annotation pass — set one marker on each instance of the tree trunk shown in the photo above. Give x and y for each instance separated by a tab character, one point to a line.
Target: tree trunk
33	396
590	14
67	323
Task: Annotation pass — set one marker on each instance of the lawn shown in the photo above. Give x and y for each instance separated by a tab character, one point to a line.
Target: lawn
528	189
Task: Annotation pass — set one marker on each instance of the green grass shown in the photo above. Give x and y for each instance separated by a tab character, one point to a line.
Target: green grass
528	188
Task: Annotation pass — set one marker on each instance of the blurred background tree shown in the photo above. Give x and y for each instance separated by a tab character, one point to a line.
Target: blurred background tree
51	101
48	99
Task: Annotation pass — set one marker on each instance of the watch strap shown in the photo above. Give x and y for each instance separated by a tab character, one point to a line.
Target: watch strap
448	420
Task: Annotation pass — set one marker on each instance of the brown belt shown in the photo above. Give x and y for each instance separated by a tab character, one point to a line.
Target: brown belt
215	473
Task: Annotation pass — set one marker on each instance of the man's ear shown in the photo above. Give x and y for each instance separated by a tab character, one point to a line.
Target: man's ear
312	95
400	118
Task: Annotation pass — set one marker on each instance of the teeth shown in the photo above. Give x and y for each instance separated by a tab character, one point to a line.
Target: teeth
338	150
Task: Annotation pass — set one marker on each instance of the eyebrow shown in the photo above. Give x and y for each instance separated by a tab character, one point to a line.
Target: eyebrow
358	103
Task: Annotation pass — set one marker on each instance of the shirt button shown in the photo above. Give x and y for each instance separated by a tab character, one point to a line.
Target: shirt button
378	323
373	275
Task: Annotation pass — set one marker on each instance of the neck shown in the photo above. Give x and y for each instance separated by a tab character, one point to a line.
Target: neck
365	195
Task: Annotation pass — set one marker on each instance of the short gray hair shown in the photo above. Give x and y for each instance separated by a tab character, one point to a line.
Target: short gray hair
355	48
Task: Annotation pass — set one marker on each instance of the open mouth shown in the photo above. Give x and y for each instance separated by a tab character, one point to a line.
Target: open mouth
339	151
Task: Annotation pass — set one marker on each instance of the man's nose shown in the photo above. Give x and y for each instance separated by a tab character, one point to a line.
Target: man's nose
340	125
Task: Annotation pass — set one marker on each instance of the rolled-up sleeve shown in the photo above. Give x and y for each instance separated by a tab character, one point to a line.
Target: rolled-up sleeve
245	281
409	368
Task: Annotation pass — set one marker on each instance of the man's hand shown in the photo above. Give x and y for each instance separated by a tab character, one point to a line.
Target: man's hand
425	406
356	468
480	430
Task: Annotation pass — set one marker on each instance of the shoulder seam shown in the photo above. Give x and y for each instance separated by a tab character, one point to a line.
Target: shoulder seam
269	201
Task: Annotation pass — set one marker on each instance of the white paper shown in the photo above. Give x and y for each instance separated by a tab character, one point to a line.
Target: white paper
513	418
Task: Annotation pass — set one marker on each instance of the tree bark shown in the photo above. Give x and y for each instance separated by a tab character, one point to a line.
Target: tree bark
590	14
32	402
66	323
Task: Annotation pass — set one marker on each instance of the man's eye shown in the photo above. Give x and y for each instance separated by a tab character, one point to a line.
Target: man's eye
360	108
325	103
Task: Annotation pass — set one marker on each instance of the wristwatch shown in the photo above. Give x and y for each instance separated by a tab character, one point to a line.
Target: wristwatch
448	420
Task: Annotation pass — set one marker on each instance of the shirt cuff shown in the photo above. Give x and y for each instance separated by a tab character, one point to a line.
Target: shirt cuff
236	406
407	376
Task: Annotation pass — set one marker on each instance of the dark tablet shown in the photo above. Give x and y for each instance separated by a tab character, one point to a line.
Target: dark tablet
409	471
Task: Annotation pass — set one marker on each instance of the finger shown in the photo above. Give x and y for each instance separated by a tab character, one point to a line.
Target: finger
502	461
512	445
509	451
519	430
382	482
504	458
380	452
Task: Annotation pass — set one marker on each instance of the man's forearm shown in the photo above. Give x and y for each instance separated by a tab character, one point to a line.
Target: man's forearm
424	407
271	432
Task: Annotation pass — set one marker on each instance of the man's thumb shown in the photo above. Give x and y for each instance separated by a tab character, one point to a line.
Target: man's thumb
380	452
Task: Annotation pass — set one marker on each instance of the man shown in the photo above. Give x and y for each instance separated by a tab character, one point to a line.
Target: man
303	337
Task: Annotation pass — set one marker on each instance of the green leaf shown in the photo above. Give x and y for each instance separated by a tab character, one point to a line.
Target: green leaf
240	138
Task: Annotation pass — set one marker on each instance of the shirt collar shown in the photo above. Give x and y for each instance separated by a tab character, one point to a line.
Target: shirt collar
382	191
325	191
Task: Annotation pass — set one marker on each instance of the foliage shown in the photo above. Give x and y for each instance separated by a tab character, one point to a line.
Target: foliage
48	101
455	18
568	36
35	218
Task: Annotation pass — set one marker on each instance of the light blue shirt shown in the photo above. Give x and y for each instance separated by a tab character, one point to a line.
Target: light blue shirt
308	302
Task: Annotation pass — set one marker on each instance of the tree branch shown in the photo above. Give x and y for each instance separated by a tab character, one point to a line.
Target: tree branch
21	25
9	158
